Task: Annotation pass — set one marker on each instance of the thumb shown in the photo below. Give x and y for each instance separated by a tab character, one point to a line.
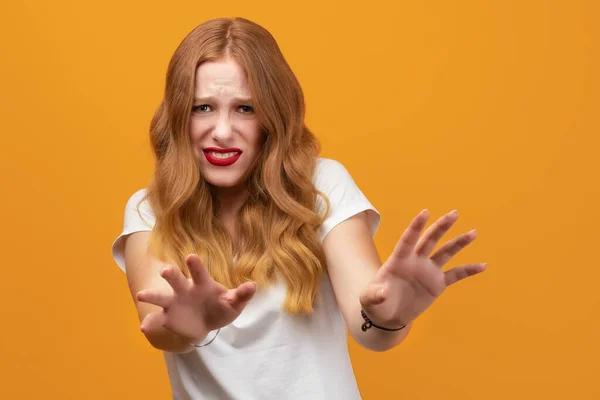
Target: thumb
373	295
153	321
241	295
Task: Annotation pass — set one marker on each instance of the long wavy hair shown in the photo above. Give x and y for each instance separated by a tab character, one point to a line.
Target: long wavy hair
276	228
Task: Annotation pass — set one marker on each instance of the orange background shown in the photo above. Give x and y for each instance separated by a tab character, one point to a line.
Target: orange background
489	107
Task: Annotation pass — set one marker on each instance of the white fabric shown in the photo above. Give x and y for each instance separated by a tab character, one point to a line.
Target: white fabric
266	353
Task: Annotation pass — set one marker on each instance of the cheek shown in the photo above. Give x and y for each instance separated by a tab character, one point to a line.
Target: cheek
196	134
196	129
253	134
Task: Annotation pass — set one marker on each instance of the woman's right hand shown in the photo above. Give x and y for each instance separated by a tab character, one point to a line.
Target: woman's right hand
195	306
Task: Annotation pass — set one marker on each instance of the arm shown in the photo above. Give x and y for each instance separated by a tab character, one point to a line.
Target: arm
174	310
352	261
399	290
143	272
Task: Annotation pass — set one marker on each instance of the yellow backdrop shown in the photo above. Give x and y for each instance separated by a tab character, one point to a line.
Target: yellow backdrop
489	107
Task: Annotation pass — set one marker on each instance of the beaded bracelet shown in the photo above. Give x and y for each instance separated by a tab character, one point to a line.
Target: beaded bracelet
211	340
368	323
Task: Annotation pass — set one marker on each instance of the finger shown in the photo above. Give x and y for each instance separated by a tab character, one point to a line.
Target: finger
198	272
154	297
434	233
458	273
409	238
241	295
175	278
153	321
452	247
372	295
245	291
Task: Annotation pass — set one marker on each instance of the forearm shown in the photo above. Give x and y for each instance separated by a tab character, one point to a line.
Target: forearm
162	338
143	272
374	339
165	340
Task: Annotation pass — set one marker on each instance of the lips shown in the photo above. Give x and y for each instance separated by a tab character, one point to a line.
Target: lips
222	162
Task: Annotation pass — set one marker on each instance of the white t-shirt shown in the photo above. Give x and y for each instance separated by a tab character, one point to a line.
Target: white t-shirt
266	353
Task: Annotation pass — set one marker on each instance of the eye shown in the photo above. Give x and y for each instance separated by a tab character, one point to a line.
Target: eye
247	109
201	108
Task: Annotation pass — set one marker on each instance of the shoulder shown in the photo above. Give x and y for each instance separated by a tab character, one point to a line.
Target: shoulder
345	198
327	165
138	209
138	202
329	172
138	218
137	198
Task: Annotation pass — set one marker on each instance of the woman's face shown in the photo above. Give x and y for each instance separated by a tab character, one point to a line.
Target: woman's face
224	130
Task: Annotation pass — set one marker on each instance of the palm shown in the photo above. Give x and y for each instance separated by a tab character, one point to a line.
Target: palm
194	306
412	279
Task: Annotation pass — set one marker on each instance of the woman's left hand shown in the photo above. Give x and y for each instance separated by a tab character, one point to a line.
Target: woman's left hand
410	280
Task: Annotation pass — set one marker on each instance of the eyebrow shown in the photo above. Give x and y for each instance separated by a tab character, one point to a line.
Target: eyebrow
212	99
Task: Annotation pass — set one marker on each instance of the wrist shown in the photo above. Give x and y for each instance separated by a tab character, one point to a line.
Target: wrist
375	339
208	339
368	324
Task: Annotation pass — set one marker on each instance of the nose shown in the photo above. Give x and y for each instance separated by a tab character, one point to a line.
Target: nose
223	131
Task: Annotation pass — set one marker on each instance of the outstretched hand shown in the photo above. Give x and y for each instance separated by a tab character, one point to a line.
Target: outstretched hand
411	279
195	306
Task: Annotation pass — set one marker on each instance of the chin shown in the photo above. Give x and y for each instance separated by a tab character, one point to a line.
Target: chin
223	181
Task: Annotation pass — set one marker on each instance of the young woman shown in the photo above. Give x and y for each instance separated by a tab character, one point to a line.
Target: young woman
248	256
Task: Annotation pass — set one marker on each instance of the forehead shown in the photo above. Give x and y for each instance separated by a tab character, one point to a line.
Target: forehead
221	76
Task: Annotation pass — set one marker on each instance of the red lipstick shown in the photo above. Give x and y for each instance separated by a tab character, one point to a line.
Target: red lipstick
222	162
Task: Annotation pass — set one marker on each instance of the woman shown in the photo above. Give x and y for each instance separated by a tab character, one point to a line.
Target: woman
248	256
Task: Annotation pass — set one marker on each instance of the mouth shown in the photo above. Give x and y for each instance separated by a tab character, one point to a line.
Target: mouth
222	157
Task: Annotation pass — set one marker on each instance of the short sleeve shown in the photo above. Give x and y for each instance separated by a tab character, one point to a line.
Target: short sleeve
345	197
138	217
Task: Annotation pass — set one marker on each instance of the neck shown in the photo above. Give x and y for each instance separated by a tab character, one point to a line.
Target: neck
230	200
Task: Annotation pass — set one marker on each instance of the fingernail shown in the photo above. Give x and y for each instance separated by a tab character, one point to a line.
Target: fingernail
381	293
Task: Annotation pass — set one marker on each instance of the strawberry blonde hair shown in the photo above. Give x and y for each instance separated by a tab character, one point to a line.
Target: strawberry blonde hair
277	226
